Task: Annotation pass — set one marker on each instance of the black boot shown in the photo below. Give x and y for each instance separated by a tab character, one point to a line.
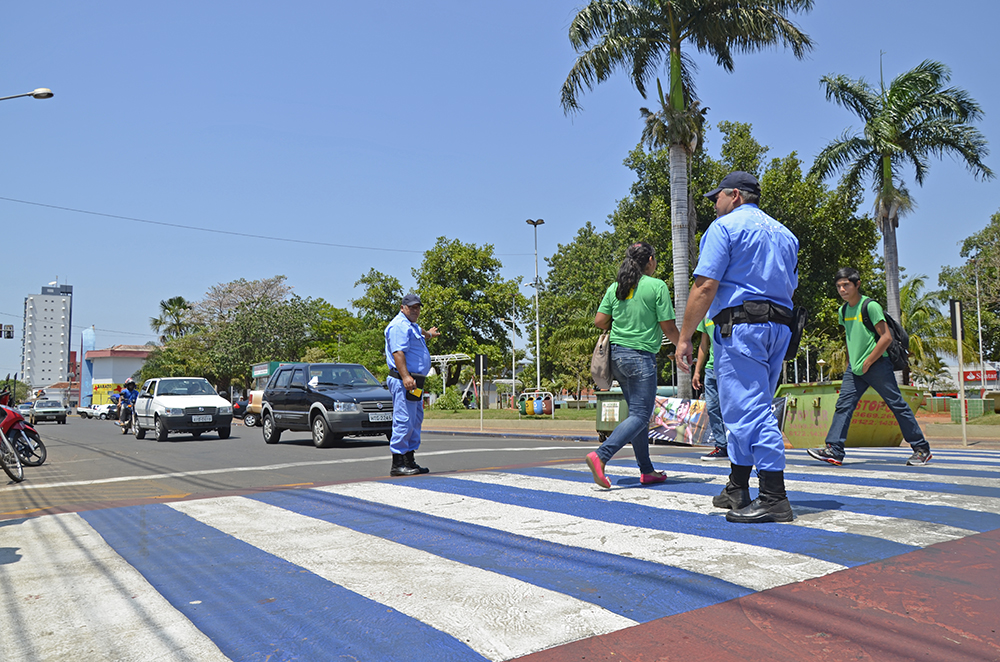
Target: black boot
412	464
736	493
771	505
399	467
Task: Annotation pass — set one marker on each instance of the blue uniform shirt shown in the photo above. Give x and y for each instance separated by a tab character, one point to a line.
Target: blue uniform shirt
405	336
129	397
752	256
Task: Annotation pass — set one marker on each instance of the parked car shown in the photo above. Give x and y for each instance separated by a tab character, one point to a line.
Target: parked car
240	409
47	410
181	404
332	400
24	408
98	411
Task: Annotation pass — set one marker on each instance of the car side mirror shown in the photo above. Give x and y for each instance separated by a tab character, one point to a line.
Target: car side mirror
145	395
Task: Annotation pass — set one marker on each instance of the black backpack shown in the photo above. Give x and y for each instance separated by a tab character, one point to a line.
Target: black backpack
899	349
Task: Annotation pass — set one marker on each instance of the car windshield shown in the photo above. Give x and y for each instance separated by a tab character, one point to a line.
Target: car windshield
46	404
335	374
185	387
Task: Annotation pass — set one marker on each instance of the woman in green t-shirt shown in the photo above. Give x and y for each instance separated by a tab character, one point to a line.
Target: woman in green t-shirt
638	310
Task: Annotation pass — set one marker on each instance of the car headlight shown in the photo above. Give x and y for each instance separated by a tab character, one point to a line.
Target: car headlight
225	410
345	406
175	411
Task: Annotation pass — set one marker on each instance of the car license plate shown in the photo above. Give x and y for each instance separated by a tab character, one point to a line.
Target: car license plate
202	418
383	417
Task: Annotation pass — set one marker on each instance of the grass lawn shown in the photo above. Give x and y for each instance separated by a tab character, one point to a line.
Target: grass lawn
507	414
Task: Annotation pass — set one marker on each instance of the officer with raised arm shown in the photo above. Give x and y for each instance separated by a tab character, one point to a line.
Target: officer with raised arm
409	362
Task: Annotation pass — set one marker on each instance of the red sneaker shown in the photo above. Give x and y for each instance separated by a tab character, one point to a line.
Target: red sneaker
597	468
653	478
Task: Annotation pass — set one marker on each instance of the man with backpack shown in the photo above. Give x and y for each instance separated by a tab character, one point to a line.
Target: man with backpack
868	340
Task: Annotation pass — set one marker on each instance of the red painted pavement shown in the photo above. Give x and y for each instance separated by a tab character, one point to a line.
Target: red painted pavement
940	604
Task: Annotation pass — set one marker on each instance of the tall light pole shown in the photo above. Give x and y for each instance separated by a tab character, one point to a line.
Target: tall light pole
40	93
979	321
538	342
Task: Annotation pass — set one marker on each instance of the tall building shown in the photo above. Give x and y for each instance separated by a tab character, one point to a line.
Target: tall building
45	344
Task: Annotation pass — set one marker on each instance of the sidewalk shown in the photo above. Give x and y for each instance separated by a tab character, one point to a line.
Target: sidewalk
940	435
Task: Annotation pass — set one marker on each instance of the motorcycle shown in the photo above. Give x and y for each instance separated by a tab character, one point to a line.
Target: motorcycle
125	416
27	443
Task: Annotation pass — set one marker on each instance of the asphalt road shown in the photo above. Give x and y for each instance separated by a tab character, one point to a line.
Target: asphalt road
208	549
92	465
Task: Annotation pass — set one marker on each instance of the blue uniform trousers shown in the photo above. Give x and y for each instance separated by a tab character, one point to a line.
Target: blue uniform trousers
714	410
407	417
747	368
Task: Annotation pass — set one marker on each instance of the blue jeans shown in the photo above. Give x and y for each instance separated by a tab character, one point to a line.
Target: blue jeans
747	365
635	371
880	378
714	409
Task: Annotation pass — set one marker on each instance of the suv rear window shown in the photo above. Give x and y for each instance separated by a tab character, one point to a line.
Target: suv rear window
281	379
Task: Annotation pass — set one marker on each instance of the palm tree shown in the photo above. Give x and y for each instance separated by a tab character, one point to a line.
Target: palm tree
928	328
641	36
174	320
904	124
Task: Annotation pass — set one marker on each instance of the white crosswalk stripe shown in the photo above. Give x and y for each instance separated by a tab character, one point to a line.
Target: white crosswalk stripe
497	616
72	570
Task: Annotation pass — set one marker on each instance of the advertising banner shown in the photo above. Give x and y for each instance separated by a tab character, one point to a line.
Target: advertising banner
103	392
685	422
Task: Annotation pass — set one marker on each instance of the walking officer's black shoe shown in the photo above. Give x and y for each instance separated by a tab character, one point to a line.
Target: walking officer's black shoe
771	505
399	467
412	464
736	493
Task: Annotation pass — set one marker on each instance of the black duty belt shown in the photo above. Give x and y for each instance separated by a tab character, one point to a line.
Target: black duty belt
418	378
752	312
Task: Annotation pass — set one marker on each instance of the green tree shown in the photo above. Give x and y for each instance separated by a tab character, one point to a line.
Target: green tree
262	330
222	299
641	36
905	124
184	356
465	297
174	319
982	253
381	299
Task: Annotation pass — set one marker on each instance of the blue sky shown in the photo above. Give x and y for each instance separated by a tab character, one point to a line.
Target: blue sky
378	127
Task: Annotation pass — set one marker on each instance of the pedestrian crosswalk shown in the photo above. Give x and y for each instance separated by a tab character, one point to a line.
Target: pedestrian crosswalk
487	565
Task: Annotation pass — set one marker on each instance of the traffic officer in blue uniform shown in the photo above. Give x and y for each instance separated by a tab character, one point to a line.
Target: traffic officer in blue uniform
409	362
745	278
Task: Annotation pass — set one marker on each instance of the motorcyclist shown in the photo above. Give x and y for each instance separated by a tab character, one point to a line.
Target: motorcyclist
126	399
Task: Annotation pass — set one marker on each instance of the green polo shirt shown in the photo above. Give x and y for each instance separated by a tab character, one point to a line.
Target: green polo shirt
635	322
860	341
708	326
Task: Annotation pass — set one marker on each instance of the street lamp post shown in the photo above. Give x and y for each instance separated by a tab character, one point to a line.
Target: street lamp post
538	342
979	321
40	93
821	363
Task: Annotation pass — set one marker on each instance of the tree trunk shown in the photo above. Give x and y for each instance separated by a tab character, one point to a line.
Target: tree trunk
681	250
891	268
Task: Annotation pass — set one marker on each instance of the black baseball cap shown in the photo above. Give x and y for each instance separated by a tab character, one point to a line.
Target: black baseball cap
744	181
411	299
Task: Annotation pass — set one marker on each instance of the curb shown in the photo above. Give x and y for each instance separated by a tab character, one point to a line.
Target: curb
513	435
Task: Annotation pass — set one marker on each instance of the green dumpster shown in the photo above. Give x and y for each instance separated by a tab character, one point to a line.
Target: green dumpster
612	408
809	410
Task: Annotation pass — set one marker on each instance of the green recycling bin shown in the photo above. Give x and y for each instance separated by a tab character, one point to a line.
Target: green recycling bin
809	411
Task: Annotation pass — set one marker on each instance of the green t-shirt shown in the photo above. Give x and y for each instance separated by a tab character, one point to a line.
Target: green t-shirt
635	322
708	326
860	341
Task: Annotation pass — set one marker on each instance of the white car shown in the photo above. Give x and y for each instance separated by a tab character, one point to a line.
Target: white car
96	411
180	404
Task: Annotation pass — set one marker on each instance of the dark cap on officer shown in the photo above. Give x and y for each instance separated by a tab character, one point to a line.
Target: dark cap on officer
744	181
411	299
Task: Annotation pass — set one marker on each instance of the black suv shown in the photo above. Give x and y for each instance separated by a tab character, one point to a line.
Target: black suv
331	400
